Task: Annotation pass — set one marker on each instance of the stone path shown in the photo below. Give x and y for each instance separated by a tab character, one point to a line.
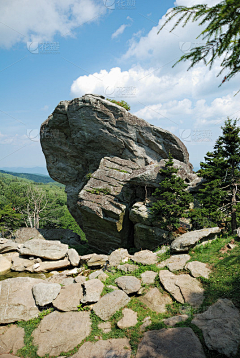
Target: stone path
73	291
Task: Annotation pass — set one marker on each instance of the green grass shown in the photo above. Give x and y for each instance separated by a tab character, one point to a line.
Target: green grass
99	191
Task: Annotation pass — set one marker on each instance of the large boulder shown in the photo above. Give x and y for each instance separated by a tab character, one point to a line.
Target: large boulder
108	159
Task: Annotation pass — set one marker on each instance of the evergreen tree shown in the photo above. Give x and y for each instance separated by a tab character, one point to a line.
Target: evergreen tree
222	34
221	169
9	219
172	198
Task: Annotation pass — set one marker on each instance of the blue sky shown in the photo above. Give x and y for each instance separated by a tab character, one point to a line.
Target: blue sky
58	50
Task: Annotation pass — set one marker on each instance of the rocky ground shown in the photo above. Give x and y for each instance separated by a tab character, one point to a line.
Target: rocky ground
146	304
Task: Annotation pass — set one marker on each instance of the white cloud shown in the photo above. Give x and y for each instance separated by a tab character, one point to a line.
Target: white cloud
119	31
27	20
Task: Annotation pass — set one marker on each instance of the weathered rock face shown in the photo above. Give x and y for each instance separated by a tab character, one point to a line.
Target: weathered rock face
108	159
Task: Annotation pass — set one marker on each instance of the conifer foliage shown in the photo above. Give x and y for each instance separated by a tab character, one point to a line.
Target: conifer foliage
222	34
220	194
172	198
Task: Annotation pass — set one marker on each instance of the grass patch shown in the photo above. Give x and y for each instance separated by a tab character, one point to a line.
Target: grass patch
99	191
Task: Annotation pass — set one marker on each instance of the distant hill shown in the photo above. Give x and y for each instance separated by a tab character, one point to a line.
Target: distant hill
37	178
34	170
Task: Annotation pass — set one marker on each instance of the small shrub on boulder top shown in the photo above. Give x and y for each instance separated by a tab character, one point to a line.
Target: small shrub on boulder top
172	198
120	103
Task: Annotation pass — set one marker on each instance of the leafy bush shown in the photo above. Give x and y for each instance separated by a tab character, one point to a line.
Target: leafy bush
120	103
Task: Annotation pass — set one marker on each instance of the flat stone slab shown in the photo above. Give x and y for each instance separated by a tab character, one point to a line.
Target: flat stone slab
198	269
175	319
80	279
183	288
129	319
11	339
110	304
97	260
92	290
7	246
175	262
50	250
156	300
60	332
111	348
148	277
16	299
145	257
184	242
118	256
129	284
69	298
45	293
220	325
5	265
20	264
73	257
51	265
170	343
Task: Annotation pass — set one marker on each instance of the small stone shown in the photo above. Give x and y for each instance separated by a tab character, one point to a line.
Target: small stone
103	276
80	279
69	298
148	277
45	293
175	319
129	319
95	274
127	268
68	281
146	322
175	262
231	246
51	265
163	250
156	300
92	290
198	269
145	257
105	327
129	284
73	257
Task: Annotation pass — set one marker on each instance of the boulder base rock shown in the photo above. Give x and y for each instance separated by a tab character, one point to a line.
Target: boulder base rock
170	343
50	250
184	242
61	332
111	348
16	299
148	237
110	304
220	325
